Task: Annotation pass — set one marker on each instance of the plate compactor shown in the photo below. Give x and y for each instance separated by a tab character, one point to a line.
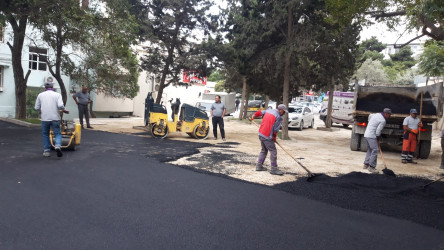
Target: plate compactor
71	134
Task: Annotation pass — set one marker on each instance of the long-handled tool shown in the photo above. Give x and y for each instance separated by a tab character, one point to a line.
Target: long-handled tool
432	182
311	175
386	171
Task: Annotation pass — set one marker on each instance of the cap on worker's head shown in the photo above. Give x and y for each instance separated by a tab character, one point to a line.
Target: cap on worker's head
388	111
413	111
283	107
49	84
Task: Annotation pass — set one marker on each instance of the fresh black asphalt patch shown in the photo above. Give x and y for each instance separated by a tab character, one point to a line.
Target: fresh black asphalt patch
116	192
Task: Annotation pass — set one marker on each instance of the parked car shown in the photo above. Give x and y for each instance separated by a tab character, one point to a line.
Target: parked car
316	107
300	117
255	105
271	105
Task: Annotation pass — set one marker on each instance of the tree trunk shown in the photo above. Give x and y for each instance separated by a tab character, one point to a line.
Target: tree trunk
58	65
20	80
287	70
247	97
330	103
244	93
267	100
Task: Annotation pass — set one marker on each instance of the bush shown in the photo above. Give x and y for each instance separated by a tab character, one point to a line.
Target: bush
31	96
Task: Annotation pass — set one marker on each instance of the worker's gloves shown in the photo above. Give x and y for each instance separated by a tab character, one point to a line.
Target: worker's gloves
251	118
420	125
274	136
414	131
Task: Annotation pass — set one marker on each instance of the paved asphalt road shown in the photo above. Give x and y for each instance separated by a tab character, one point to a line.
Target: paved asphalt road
115	193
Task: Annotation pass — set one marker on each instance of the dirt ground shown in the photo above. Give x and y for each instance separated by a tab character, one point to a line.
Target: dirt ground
323	152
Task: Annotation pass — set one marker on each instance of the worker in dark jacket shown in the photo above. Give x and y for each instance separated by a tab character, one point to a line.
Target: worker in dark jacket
270	125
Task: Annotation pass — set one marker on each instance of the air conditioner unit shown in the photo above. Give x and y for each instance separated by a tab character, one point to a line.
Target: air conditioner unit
49	79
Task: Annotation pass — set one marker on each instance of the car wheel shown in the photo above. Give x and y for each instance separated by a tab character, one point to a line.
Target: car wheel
301	125
312	123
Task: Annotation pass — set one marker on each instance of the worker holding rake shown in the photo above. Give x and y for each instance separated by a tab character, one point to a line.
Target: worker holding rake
270	125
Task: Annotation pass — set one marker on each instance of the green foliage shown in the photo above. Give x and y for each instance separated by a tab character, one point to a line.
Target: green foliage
431	62
373	73
108	64
425	16
216	76
374	55
372	44
219	87
92	45
169	30
31	96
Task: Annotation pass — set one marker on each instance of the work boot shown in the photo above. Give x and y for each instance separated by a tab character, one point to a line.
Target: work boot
46	154
89	127
260	167
404	161
275	171
223	139
412	162
365	166
372	169
59	151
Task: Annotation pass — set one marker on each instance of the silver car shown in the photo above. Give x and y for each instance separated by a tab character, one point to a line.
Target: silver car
300	117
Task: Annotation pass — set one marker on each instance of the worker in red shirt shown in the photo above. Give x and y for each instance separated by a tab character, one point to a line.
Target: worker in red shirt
270	125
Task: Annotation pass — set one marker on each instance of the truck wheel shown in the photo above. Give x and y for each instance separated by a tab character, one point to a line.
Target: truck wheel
424	149
363	144
355	141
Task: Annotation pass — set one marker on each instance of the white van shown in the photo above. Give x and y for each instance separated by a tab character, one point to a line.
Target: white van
342	108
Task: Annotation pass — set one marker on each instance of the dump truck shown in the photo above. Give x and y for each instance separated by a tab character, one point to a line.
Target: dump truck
373	99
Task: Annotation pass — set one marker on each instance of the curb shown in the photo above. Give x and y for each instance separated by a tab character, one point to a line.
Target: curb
19	122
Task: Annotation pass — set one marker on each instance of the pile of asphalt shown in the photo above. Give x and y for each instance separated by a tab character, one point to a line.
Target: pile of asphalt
400	197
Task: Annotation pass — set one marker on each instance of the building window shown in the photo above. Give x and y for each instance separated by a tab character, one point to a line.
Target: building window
37	58
2	34
1	78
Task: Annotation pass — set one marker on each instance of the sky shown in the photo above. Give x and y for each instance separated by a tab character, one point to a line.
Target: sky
382	33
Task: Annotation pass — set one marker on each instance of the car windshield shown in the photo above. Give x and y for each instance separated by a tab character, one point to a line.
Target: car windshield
296	110
204	106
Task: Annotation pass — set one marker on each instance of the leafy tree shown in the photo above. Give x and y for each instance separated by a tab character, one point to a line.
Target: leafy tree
107	64
169	33
403	55
373	73
219	87
372	44
431	62
425	16
216	76
405	78
17	13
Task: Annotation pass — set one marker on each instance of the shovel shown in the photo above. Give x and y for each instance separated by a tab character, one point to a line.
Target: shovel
386	171
311	175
